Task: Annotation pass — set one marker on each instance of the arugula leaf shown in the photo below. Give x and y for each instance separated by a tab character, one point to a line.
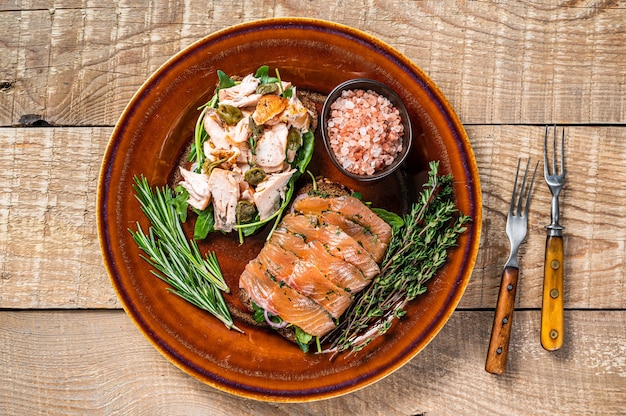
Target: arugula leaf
200	136
303	339
225	80
205	223
305	152
258	314
288	93
263	73
389	217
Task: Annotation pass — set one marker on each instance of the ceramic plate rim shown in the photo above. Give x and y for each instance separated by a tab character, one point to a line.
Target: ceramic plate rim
454	125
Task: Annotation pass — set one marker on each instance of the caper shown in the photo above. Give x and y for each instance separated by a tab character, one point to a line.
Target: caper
269	88
229	114
255	176
245	212
208	166
294	139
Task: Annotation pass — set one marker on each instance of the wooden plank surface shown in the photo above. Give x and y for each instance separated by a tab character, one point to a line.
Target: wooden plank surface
77	63
97	363
49	253
507	67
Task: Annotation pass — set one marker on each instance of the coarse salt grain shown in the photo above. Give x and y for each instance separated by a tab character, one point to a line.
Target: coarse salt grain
365	131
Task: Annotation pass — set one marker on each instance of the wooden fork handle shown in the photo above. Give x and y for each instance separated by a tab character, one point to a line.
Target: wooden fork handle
501	331
552	304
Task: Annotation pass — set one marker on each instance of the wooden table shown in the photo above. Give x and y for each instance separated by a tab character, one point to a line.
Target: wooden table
69	67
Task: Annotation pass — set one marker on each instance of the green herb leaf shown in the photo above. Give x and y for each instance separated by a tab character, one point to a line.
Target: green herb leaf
180	202
200	136
288	93
258	314
193	152
284	93
205	223
305	152
224	80
302	339
391	218
263	74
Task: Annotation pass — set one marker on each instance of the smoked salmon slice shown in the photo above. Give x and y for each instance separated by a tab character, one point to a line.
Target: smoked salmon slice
363	235
304	277
283	301
336	241
343	274
316	260
350	207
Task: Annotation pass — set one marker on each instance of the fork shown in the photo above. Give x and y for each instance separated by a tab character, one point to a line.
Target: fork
552	303
516	226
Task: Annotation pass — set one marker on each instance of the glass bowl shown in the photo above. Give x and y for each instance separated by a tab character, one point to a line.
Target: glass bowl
385	91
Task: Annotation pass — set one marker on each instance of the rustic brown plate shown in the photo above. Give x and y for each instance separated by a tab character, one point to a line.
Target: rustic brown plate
154	131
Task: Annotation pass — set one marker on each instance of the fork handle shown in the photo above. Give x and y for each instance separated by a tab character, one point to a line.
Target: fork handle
501	331
552	304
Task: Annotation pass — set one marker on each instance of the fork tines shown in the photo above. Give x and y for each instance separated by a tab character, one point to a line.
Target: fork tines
519	212
561	169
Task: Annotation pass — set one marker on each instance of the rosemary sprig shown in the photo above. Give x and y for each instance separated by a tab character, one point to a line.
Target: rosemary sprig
178	261
417	250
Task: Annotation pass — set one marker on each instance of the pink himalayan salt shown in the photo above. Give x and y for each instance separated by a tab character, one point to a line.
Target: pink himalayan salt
365	131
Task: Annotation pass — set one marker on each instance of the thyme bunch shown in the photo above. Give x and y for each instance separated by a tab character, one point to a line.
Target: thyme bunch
417	250
178	261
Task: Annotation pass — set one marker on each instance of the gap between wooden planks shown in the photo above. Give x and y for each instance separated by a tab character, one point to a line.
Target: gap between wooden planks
97	362
496	62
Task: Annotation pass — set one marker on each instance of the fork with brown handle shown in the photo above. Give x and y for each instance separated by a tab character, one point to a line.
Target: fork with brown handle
516	226
552	303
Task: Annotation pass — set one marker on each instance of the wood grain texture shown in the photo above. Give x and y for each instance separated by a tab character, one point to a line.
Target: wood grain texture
97	363
592	213
77	63
49	253
507	67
